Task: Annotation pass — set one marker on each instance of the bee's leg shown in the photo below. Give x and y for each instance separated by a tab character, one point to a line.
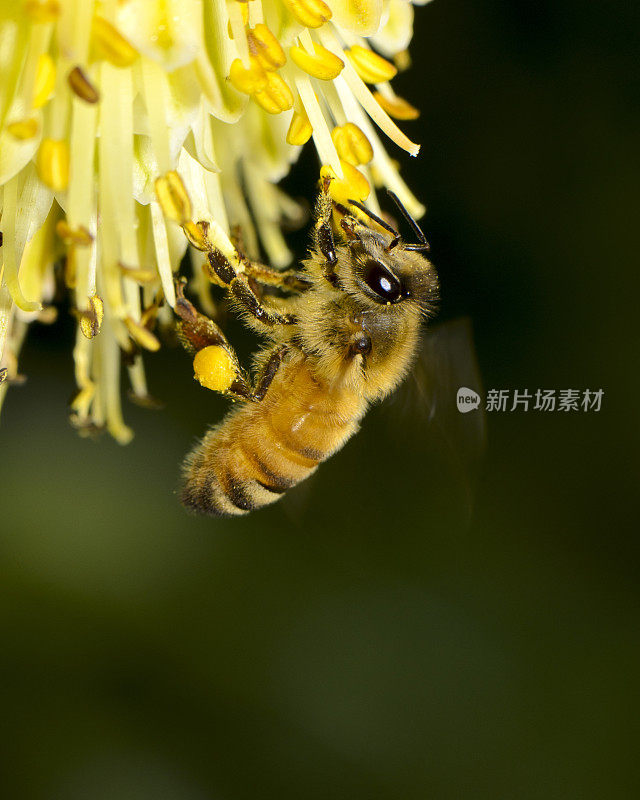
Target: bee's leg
268	372
324	232
258	273
243	293
196	332
287	279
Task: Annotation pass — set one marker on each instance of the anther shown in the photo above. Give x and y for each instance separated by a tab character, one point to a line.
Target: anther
300	129
276	97
353	185
266	47
53	164
78	236
321	63
371	67
42	11
402	60
141	335
351	143
173	197
311	13
197	234
24	129
81	403
82	86
138	274
109	44
248	80
45	80
396	107
90	319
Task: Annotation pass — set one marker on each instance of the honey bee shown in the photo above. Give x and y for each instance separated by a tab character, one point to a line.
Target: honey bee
344	338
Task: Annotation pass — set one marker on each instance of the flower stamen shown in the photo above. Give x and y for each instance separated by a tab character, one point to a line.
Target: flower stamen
53	164
310	13
266	48
276	96
321	63
82	86
110	45
352	145
300	129
371	67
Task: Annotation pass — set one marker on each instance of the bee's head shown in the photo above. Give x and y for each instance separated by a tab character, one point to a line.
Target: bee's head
382	267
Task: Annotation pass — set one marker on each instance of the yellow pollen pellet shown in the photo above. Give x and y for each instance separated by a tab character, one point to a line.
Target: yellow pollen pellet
42	11
354	186
141	335
371	67
82	87
311	13
322	63
398	108
266	48
248	81
91	319
173	197
53	164
351	143
24	129
300	129
276	97
213	368
45	80
69	235
109	44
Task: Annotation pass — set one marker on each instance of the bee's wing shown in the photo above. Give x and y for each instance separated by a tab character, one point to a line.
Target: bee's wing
428	399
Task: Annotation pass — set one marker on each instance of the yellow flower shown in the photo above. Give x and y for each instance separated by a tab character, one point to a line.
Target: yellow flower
128	125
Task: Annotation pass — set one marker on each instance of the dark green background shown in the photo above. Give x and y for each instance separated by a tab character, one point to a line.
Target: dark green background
363	640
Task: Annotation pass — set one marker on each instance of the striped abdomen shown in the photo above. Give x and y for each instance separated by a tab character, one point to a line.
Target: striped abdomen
262	449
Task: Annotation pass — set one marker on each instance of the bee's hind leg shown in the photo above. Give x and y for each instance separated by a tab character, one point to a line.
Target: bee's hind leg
196	331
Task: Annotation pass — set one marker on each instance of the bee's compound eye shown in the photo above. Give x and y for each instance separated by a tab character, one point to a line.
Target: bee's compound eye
382	282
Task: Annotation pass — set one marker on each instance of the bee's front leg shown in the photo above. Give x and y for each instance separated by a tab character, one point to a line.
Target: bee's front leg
287	279
242	292
324	232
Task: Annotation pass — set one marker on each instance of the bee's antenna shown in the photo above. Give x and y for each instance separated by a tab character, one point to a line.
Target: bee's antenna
419	248
381	222
424	244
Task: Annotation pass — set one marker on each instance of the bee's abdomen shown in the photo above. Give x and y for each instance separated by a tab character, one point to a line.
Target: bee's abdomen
261	450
